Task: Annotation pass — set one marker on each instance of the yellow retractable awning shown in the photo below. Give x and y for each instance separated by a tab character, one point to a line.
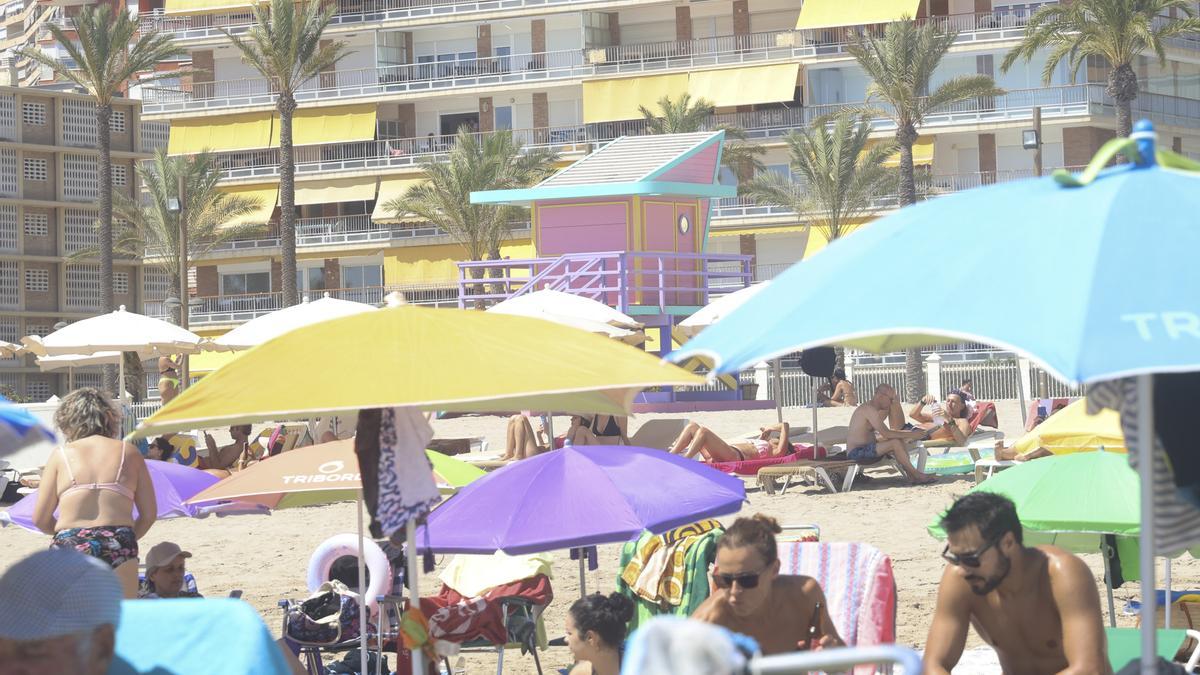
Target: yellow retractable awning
341	124
389	189
922	153
334	191
833	13
224	132
614	100
266	195
206	362
207	6
738	231
745	86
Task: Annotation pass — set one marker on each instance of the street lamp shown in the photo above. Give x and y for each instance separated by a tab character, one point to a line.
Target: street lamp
178	205
1029	139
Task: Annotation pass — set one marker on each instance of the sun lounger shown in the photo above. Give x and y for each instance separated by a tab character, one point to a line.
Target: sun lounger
984	468
658	434
818	469
751	467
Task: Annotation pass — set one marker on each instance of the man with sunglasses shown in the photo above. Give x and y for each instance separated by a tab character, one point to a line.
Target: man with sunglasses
1037	606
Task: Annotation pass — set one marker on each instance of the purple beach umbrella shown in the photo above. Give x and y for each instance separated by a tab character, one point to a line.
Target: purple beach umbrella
173	485
576	497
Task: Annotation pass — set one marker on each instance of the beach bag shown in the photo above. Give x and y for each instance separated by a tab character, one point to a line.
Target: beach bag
10	483
327	617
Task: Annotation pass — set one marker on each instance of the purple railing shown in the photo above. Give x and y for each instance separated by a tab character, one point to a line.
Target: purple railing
619	278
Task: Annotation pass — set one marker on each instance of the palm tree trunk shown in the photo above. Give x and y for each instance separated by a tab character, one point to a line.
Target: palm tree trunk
135	376
906	135
104	170
178	286
287	199
1123	88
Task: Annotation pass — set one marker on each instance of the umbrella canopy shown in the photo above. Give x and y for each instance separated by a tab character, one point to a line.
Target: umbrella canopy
20	428
1073	430
579	496
268	326
575	311
118	331
9	349
1069	298
718	309
173	485
435	359
49	363
1070	500
317	474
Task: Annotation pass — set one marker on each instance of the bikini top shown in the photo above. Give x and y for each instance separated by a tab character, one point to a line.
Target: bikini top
611	427
114	486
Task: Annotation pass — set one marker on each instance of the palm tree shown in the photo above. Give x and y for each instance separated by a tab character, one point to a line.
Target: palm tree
900	65
477	162
154	226
685	115
1116	30
109	51
284	45
843	174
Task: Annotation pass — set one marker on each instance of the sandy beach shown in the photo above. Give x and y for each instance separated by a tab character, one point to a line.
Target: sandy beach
267	556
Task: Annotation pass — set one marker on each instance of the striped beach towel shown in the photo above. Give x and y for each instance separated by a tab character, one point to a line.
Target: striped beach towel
858	584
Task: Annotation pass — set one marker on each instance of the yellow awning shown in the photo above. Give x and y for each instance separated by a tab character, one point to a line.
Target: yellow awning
206	362
333	191
613	100
832	13
389	189
206	6
922	153
223	132
266	195
342	124
745	86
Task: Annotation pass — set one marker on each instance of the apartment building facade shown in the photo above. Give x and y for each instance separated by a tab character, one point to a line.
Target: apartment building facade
48	208
570	74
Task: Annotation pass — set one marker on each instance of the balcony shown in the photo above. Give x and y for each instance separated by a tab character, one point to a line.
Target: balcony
350	84
230	309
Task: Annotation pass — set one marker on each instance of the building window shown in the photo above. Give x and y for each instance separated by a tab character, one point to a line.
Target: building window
116	123
362	276
39	329
120	175
121	283
244	283
37	225
35	169
34	113
310	279
37	390
37	280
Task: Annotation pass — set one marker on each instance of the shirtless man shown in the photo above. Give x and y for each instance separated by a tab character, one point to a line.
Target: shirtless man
869	435
1038	607
783	613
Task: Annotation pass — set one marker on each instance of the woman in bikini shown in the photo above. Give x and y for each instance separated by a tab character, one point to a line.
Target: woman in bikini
610	429
700	440
96	517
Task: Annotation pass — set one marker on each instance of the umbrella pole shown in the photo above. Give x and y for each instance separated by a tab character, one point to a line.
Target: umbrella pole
777	372
362	588
410	539
582	577
816	404
1145	422
1167	582
1107	553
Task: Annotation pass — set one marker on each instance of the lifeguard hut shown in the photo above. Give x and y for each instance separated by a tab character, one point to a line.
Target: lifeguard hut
626	225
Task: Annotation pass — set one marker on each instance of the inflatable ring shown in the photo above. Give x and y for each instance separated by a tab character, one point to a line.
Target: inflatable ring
376	562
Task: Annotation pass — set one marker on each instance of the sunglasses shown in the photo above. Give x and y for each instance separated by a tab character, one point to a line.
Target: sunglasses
747	580
967	559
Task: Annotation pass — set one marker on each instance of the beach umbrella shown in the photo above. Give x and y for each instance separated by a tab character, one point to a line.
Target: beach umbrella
577	497
317	474
173	485
575	311
1043	267
260	329
1073	430
119	331
434	359
8	349
19	428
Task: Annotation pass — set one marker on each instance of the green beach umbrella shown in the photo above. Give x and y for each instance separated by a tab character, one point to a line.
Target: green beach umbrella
451	473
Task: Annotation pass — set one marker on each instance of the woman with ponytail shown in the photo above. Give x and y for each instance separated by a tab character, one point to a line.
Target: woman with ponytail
596	633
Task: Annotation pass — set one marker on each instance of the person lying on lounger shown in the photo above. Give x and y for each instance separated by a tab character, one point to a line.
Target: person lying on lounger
870	437
700	440
1011	454
783	613
1038	607
948	421
522	442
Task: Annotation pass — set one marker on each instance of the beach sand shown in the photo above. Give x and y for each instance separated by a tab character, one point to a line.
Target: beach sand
267	556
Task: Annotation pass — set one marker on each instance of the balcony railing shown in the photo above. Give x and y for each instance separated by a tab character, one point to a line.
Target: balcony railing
420	77
226	309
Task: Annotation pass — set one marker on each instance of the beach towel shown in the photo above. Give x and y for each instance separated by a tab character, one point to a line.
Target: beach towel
700	556
950	463
750	467
658	570
471	575
406	486
858	584
457	618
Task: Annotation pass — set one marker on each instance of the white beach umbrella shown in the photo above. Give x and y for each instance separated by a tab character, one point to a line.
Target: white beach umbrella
718	309
49	363
268	326
118	331
9	349
548	303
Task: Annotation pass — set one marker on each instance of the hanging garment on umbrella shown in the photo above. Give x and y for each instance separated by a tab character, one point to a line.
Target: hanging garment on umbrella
406	486
1177	522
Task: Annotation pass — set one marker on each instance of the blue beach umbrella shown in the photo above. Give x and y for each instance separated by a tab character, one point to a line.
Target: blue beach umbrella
1092	276
19	428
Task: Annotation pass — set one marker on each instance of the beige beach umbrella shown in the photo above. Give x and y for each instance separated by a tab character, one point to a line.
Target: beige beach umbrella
119	331
268	326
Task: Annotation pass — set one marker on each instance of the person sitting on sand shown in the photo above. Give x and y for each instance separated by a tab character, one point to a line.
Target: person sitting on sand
1038	607
695	440
948	421
869	437
596	633
522	442
235	456
165	572
839	393
783	613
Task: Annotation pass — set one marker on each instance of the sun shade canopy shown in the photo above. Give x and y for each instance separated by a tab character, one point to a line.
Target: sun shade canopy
834	13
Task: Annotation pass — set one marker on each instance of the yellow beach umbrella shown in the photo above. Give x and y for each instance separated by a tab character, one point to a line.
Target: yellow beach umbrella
434	359
1072	429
